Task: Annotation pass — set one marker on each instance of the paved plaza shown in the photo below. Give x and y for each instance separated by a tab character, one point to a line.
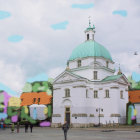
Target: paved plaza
73	134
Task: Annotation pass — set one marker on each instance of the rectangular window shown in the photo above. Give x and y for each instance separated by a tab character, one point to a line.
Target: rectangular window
34	100
95	94
107	64
107	94
38	100
79	63
93	37
67	109
95	75
68	64
86	93
121	94
67	92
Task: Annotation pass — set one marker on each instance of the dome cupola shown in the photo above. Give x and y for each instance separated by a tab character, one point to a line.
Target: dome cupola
89	32
90	48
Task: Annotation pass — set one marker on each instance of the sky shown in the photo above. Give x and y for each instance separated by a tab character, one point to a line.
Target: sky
38	36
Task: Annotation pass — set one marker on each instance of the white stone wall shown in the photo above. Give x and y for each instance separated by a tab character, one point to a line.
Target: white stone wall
81	105
91	33
88	61
88	73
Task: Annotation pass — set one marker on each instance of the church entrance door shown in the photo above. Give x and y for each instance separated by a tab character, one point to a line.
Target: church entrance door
67	114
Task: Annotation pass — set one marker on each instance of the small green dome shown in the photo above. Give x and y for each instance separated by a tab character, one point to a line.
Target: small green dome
90	48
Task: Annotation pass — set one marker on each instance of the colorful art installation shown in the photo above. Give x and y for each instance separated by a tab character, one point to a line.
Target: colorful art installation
34	104
132	112
37	97
45	124
4	99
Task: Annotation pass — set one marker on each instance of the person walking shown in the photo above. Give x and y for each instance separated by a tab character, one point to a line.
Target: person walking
2	124
31	127
18	126
65	128
12	127
26	127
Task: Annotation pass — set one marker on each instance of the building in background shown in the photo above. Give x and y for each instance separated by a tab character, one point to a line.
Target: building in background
133	106
88	92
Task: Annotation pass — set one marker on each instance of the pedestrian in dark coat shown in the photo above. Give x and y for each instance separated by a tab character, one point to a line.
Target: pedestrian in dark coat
65	128
31	127
26	127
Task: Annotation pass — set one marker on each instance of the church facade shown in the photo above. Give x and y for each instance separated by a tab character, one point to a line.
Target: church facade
88	92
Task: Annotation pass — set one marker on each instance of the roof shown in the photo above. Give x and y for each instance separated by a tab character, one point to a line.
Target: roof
90	28
90	48
111	78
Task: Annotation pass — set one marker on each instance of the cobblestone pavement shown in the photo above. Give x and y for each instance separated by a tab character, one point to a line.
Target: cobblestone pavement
73	134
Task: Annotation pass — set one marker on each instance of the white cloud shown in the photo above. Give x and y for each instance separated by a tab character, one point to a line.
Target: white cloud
53	73
43	49
12	76
128	62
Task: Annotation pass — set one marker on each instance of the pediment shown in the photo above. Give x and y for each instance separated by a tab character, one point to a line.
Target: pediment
66	77
123	80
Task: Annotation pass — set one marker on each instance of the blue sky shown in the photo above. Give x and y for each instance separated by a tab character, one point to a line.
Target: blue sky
60	26
39	77
83	6
120	12
4	14
39	36
15	38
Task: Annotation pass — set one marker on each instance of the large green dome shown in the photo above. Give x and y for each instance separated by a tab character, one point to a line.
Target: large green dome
90	48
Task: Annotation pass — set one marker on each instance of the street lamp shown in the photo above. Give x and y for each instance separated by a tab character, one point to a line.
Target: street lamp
99	110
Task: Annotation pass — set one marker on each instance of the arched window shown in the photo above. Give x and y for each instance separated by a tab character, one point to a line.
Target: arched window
95	94
106	93
67	92
87	36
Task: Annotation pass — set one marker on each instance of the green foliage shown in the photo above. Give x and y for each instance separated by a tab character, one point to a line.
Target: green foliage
27	88
45	84
49	110
26	117
35	87
50	80
1	109
129	116
50	86
134	85
12	111
42	86
1	98
7	121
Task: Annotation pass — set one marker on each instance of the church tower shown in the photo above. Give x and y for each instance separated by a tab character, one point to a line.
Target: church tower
89	32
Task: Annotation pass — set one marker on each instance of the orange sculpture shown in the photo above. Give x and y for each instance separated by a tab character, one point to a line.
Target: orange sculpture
30	98
134	96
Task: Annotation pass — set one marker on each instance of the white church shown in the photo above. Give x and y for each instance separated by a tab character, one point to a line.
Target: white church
88	93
